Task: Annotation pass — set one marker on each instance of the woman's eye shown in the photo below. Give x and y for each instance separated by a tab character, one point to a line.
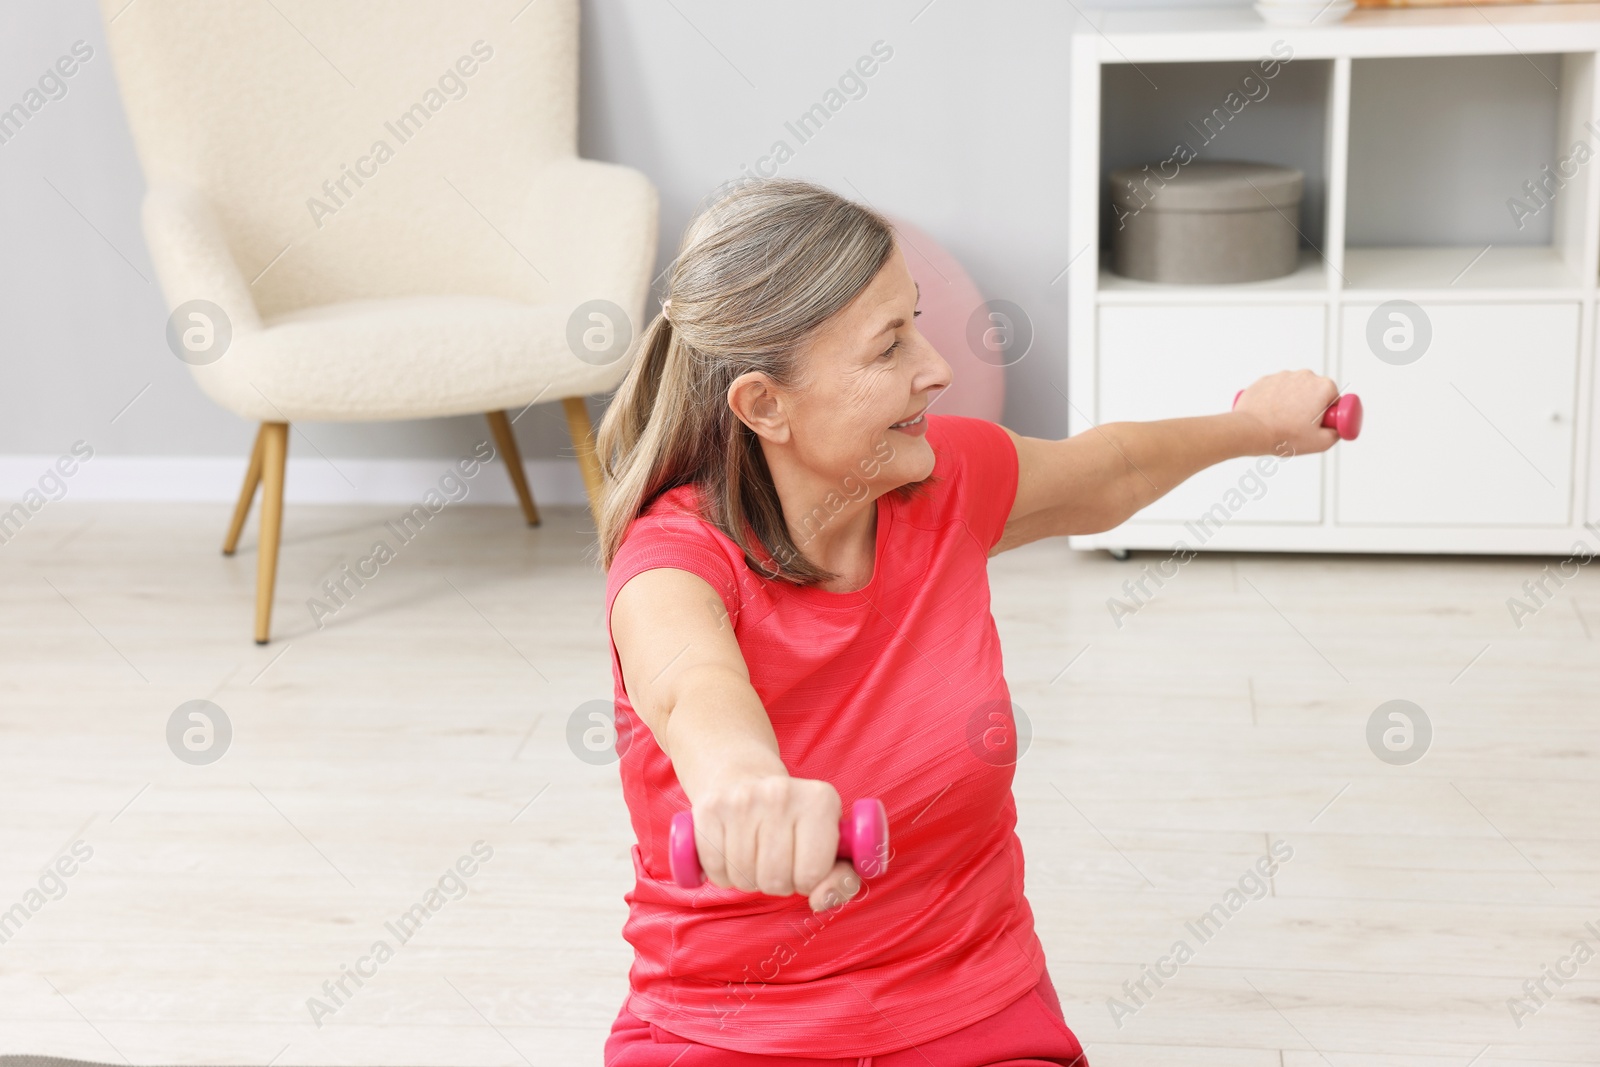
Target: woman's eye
915	313
890	350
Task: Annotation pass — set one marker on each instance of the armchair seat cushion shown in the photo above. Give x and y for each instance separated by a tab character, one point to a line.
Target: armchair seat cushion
403	358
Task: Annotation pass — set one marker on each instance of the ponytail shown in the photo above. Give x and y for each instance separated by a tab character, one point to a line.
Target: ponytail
628	482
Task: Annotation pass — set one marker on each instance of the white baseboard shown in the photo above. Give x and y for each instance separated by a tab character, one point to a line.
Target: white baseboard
307	480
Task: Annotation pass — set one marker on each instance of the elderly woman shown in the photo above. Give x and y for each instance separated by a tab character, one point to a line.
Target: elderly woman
798	604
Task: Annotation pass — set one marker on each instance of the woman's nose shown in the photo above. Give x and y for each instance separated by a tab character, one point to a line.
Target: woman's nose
938	371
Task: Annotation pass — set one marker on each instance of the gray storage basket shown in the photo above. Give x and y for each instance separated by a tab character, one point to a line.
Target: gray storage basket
1214	222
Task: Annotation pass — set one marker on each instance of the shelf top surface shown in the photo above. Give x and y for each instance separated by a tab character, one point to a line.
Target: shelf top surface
1177	35
1459	272
1310	275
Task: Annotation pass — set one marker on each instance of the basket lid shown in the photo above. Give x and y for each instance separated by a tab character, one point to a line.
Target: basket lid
1207	185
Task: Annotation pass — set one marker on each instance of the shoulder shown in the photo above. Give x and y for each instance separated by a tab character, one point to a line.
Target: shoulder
967	448
978	462
677	509
671	521
966	432
670	532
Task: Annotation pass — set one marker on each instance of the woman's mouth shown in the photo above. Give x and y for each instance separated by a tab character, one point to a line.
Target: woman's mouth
918	421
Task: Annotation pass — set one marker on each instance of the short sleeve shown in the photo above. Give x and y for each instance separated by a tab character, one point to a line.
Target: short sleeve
671	537
983	466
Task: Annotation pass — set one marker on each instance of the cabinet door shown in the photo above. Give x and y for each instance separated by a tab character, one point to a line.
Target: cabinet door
1477	430
1592	432
1170	362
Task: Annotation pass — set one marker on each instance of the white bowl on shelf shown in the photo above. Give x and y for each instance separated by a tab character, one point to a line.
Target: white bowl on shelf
1303	12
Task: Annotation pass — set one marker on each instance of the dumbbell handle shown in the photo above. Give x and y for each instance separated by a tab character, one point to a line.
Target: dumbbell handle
863	839
1343	415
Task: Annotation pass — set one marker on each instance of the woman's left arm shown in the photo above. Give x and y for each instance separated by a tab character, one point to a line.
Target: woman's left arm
1097	479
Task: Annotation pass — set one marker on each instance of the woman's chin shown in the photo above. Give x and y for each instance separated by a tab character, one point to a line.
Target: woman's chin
909	468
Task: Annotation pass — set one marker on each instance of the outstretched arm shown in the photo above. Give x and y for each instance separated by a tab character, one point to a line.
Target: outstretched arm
1097	479
756	827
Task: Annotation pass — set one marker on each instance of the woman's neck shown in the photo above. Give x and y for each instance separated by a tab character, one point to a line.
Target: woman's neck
842	539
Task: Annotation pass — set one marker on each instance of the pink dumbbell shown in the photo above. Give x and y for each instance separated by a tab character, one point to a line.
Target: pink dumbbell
863	839
1343	415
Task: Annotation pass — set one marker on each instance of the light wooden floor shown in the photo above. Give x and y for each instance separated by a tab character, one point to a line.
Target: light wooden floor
432	713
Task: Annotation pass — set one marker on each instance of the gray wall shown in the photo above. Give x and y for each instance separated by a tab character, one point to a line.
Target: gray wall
963	131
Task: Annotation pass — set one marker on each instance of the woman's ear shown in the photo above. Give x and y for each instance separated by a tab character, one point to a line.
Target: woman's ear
756	402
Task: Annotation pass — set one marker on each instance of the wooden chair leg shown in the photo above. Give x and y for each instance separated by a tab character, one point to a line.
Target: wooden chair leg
247	494
274	455
506	442
582	433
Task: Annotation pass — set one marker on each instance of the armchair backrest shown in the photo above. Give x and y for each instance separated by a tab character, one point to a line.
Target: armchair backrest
359	148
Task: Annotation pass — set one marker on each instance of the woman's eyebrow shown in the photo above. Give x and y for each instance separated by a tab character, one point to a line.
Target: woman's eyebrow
897	322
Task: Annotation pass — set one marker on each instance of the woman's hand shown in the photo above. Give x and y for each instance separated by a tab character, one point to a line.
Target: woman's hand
774	834
1288	406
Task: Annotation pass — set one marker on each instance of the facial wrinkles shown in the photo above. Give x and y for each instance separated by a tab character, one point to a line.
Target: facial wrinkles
865	387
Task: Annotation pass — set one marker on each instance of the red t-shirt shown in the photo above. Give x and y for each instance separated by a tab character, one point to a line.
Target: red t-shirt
892	691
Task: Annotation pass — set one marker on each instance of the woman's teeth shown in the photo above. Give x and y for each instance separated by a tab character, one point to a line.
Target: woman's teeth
908	422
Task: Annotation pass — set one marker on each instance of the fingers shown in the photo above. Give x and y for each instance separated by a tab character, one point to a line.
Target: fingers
841	884
1327	392
776	835
1290	405
816	848
725	864
775	858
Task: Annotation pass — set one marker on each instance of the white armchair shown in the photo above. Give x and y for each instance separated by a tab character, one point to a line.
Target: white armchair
383	201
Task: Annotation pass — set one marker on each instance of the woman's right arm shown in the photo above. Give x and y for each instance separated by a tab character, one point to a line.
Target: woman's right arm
756	828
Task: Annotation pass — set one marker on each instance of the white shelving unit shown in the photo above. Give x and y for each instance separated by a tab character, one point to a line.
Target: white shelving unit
1481	444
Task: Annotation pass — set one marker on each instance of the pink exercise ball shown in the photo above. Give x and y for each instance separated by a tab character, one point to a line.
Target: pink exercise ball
949	302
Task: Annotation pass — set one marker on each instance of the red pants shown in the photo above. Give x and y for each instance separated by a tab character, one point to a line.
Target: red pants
1030	1032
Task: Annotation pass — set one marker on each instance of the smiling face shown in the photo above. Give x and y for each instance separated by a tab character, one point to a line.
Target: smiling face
865	369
